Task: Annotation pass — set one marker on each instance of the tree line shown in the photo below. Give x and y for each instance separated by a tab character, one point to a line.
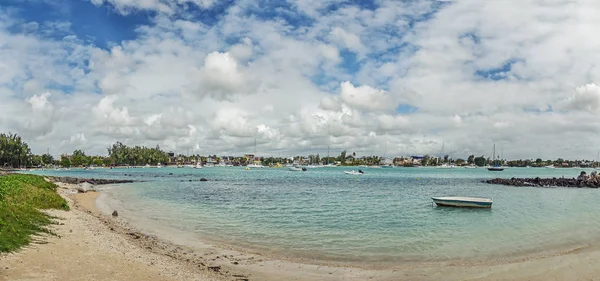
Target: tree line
15	153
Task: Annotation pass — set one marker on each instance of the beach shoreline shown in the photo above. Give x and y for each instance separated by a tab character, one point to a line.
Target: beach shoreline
159	259
180	237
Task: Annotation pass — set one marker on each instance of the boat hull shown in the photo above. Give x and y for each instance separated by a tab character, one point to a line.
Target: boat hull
496	169
462	203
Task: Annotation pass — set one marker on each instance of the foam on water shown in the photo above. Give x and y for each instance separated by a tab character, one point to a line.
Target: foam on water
383	216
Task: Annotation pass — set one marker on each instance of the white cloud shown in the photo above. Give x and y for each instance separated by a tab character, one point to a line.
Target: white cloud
164	6
366	98
40	121
222	77
348	40
509	72
108	114
586	98
77	139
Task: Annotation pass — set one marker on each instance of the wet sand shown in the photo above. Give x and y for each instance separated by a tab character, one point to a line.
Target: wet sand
93	246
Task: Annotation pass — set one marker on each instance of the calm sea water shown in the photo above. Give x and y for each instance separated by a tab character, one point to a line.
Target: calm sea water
383	216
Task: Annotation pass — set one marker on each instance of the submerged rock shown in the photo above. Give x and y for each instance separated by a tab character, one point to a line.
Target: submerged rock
115	214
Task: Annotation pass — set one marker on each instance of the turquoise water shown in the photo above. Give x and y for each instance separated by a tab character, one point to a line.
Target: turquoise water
383	216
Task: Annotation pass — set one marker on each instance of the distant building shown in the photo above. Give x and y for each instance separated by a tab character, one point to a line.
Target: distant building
416	160
67	156
387	161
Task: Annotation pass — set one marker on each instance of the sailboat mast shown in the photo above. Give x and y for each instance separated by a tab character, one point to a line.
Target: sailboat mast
494	154
441	154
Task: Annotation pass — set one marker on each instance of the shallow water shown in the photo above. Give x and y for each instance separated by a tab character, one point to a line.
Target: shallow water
383	216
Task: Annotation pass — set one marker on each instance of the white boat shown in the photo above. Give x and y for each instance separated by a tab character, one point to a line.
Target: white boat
255	166
550	167
209	165
471	202
353	172
297	169
159	165
472	166
446	166
198	165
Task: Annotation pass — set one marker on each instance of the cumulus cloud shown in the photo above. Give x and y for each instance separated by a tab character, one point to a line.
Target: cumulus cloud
366	98
348	40
222	77
586	98
109	114
213	85
164	6
41	120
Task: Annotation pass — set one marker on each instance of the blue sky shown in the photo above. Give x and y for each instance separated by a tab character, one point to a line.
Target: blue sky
214	75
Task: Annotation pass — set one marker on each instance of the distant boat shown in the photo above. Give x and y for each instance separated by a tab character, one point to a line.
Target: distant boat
209	165
470	202
255	166
387	166
496	167
472	166
159	165
353	172
550	167
297	169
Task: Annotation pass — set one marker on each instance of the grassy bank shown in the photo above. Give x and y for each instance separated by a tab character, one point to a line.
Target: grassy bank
21	198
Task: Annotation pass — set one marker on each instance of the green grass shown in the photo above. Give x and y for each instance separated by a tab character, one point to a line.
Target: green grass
21	198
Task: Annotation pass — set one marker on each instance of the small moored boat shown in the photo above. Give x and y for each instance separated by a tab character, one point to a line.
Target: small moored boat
297	169
473	202
359	172
496	169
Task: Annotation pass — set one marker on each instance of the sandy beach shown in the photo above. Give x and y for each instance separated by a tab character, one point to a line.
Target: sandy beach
94	246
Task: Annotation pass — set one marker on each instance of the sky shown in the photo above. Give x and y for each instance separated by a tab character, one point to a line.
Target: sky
379	77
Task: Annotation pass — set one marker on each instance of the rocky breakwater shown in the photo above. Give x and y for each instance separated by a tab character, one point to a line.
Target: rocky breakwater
92	181
548	182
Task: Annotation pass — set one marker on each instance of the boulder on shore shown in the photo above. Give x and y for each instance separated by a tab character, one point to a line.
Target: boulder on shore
91	181
548	182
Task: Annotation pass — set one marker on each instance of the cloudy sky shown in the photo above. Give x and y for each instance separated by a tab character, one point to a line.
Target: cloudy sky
382	77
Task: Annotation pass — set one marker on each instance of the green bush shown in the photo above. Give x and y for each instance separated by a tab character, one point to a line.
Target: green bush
21	198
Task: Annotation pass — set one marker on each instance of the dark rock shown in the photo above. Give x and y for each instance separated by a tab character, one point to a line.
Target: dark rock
134	235
115	214
203	179
548	183
92	181
215	268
